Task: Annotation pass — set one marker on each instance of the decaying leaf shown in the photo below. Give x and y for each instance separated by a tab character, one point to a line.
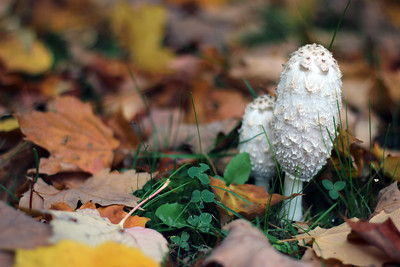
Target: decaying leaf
104	188
257	196
88	227
245	245
384	236
17	230
71	253
71	133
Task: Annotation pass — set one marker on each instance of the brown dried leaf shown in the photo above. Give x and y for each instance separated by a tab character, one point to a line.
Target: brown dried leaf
388	199
71	133
256	195
333	244
17	230
104	188
381	235
246	245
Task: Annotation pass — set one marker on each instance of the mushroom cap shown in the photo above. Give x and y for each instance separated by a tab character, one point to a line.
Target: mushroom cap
306	111
258	114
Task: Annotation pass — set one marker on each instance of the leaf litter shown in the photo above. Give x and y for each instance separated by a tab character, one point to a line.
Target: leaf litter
139	81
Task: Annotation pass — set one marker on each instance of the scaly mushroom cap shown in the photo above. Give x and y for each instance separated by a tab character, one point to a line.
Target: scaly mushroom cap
258	114
308	102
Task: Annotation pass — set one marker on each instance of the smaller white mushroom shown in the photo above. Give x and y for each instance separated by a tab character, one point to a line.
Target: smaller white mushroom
252	139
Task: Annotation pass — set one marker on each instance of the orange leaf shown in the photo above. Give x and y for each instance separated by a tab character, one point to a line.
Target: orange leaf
61	206
115	213
256	195
71	133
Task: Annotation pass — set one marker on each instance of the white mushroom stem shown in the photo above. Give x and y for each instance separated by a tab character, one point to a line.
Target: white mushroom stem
292	208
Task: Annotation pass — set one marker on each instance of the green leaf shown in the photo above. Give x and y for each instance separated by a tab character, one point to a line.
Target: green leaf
339	185
238	169
207	196
327	184
205	218
199	173
193	220
195	196
333	194
170	214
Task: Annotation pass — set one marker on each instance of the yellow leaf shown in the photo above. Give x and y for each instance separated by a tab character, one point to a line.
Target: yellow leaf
9	125
70	253
30	56
141	30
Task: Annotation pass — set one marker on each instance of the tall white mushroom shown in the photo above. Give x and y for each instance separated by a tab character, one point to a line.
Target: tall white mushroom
306	110
258	114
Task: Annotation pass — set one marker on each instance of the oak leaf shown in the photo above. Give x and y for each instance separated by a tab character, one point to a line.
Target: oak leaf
71	253
71	133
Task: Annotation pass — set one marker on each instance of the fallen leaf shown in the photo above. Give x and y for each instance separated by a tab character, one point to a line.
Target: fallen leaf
73	134
104	188
391	167
52	165
141	30
384	236
8	125
115	213
348	146
257	199
333	244
17	230
71	253
172	133
88	227
246	245
312	258
388	199
24	53
61	206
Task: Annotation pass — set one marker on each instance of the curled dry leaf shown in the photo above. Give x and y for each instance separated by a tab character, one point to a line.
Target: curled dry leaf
246	245
384	236
333	244
71	133
104	188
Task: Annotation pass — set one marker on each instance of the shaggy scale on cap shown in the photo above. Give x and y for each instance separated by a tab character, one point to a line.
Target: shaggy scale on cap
258	114
308	102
